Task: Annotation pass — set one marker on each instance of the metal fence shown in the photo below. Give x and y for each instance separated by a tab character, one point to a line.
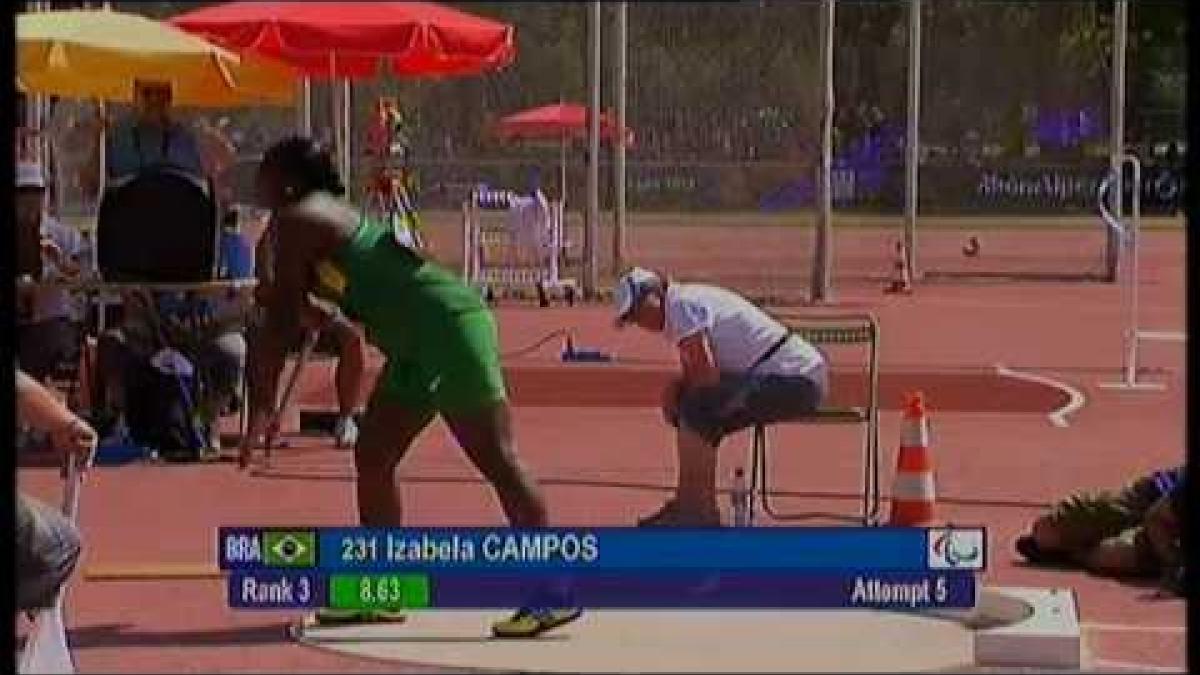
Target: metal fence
724	102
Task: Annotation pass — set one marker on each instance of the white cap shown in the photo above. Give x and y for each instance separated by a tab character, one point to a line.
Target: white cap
631	288
30	175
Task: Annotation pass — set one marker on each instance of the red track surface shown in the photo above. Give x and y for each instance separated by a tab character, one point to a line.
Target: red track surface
605	458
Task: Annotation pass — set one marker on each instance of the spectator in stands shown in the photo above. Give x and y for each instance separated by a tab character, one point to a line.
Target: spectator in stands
151	137
740	367
73	131
217	155
47	544
1133	532
47	331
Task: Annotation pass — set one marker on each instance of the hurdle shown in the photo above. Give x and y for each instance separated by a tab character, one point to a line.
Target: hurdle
519	263
1130	233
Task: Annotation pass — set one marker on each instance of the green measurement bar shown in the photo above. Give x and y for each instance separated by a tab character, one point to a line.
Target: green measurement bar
379	591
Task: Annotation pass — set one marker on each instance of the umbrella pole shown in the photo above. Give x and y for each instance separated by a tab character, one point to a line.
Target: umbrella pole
347	115
562	171
304	119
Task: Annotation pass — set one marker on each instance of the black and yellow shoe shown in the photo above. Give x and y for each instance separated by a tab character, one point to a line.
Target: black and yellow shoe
530	623
327	617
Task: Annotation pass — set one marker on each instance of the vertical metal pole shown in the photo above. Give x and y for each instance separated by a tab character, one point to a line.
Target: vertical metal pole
304	116
1134	233
822	263
1116	132
912	137
562	171
619	222
347	131
592	221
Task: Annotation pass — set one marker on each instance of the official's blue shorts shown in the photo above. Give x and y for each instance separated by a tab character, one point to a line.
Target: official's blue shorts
739	401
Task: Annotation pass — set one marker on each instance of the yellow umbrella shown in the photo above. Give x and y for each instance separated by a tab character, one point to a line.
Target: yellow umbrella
99	53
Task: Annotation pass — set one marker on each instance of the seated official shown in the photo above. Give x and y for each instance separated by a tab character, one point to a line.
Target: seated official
741	367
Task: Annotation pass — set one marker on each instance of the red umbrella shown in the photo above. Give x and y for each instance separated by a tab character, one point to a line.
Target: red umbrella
559	121
562	122
350	39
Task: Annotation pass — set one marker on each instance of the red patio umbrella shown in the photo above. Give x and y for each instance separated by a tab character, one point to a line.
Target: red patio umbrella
557	121
560	121
351	39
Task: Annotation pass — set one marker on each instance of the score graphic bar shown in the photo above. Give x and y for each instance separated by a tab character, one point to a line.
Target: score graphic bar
817	550
494	568
641	589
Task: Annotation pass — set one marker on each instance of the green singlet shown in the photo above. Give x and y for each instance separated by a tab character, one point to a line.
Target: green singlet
439	338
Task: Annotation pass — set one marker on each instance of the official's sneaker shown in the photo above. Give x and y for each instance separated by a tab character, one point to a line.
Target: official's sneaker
670	515
345	432
530	623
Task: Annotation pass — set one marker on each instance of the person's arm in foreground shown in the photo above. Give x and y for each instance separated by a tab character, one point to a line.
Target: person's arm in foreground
41	410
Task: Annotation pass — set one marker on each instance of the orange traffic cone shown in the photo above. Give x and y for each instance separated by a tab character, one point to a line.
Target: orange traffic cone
901	276
913	495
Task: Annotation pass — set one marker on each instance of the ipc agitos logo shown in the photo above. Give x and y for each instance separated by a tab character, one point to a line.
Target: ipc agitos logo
955	549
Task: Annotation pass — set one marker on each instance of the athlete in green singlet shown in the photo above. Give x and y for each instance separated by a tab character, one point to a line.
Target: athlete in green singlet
438	336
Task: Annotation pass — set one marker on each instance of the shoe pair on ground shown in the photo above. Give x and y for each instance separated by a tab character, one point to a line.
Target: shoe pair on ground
524	623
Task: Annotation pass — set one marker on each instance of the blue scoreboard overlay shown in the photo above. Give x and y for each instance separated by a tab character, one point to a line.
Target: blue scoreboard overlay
496	568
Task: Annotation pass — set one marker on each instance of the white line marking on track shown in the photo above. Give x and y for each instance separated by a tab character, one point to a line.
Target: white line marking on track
1137	667
1058	417
1130	628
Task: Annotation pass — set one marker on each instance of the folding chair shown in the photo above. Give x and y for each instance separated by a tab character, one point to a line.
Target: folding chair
830	330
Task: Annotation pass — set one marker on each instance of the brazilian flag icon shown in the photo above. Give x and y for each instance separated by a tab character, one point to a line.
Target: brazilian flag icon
290	549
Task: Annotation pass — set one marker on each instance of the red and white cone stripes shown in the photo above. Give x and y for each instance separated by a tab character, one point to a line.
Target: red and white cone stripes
913	493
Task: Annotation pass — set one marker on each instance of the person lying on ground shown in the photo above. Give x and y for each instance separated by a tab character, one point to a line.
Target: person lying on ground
47	544
439	338
740	366
1132	532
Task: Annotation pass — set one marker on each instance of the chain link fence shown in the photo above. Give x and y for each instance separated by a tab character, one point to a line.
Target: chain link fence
724	103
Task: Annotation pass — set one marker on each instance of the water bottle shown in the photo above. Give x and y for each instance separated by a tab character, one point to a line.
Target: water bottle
739	497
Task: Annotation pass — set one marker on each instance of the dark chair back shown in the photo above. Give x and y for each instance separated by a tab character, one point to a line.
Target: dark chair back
160	226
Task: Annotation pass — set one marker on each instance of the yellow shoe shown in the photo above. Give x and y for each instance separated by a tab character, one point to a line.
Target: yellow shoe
346	617
530	623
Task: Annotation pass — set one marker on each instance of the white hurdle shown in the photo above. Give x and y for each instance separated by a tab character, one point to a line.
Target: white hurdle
523	263
1130	233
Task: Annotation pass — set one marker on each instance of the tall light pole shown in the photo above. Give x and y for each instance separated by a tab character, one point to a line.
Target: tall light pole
822	263
912	138
1116	134
621	46
592	215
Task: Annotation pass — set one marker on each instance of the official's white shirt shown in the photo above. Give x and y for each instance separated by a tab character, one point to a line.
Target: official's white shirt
739	331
